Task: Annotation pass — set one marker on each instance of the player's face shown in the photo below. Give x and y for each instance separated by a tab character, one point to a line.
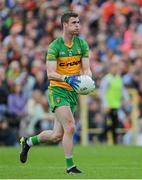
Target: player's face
73	26
114	68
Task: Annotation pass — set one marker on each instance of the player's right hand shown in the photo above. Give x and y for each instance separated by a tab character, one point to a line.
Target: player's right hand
72	81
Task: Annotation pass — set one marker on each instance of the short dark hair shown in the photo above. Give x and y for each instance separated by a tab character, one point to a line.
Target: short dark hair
66	16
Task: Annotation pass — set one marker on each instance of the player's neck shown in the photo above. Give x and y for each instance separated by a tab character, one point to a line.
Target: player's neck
68	38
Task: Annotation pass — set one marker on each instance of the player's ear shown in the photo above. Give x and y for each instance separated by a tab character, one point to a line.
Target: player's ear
65	24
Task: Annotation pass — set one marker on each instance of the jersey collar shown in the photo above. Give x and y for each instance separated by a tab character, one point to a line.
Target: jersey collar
69	45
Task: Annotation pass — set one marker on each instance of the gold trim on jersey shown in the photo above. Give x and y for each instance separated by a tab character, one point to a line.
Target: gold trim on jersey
60	84
69	58
70	44
51	96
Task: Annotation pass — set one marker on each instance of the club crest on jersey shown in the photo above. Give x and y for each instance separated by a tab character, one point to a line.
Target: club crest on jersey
78	51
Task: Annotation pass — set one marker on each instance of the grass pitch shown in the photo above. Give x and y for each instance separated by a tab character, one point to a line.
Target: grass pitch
96	162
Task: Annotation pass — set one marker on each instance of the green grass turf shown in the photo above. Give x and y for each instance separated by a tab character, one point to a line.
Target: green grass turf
95	161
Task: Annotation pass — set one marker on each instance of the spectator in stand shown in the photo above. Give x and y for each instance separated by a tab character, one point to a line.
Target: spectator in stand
17	105
41	82
37	114
4	92
13	72
8	135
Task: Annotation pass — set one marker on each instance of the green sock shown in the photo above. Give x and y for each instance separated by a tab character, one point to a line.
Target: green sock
34	140
69	162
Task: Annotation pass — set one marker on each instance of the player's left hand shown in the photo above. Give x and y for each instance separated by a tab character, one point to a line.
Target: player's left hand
72	81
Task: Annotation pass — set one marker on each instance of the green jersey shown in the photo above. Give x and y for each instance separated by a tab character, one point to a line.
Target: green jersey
68	58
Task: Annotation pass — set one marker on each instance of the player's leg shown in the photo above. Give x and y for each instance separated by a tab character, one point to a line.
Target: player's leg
65	117
50	135
114	116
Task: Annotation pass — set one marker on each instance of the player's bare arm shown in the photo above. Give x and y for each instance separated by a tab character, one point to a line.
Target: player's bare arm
51	71
86	67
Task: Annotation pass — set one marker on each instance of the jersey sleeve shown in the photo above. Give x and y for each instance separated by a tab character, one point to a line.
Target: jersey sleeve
52	53
85	49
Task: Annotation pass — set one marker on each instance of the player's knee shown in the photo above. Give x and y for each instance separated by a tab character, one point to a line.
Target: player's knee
57	137
70	129
43	137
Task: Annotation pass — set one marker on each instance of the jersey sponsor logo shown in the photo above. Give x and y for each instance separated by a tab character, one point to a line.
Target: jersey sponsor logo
70	63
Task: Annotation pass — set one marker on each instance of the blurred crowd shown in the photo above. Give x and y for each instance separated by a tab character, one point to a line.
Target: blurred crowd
113	30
